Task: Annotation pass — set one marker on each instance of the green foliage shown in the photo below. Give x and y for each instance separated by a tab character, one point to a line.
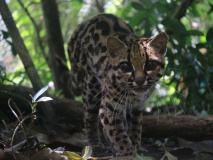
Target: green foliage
5	37
190	58
189	75
2	73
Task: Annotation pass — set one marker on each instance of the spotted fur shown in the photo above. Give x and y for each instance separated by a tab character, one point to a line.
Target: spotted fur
115	71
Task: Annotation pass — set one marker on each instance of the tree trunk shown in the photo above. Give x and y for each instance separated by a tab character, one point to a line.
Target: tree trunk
185	126
24	55
20	46
57	56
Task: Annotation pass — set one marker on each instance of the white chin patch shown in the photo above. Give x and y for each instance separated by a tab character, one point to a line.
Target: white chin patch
129	73
135	84
149	72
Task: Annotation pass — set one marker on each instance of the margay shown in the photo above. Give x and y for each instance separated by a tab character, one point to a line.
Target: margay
115	71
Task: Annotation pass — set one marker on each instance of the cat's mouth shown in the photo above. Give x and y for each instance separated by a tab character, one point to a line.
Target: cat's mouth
141	88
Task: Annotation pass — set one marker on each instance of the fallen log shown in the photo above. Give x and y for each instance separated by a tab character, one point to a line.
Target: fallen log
185	126
71	113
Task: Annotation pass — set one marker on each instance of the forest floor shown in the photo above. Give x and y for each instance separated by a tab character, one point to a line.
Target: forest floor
40	143
66	140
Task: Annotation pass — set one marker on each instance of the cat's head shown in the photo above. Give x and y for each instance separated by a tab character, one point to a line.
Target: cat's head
139	64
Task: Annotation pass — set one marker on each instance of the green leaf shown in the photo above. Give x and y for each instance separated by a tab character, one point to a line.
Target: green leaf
195	33
138	6
13	49
5	34
174	25
147	4
209	36
2	73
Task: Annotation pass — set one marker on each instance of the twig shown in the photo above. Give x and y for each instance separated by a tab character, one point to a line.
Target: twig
37	31
181	10
99	5
20	120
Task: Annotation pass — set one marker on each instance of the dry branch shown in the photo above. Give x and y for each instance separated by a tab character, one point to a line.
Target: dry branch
186	126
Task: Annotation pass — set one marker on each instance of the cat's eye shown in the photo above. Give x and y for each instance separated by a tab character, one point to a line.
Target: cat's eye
151	65
125	67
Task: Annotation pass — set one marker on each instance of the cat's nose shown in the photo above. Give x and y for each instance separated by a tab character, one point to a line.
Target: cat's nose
140	80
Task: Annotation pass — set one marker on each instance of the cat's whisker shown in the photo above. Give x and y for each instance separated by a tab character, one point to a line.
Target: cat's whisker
171	97
130	102
171	69
104	96
114	114
159	98
169	87
166	107
117	104
109	103
161	101
99	93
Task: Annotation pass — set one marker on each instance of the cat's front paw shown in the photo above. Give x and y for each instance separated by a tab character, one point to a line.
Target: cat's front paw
101	151
128	150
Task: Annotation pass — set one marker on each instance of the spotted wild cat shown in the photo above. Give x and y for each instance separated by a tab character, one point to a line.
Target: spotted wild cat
115	71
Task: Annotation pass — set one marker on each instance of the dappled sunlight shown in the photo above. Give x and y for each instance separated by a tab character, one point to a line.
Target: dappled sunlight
177	117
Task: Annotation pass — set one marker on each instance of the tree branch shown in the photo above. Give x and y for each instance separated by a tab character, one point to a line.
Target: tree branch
20	47
72	113
100	5
185	126
37	30
181	10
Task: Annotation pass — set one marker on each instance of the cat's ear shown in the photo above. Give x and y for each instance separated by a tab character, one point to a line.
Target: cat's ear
159	42
115	46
